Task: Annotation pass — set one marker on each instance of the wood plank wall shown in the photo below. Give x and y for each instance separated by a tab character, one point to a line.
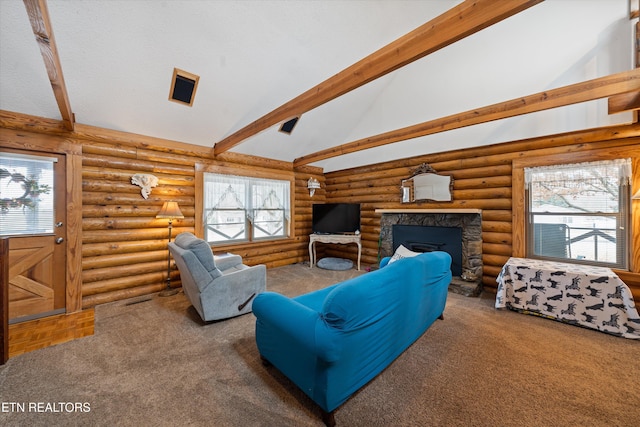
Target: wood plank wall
124	246
482	180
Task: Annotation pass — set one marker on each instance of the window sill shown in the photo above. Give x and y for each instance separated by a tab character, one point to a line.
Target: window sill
230	247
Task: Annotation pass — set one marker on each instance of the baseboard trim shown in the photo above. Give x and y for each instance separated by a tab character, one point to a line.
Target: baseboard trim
48	331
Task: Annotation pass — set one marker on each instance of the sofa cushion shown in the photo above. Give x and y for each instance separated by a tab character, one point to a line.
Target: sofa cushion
402	252
201	250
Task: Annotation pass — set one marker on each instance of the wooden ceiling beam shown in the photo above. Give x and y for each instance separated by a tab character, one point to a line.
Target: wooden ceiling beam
624	102
41	25
603	87
459	22
634	9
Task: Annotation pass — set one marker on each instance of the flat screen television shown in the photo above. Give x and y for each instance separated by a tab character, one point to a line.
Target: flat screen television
335	218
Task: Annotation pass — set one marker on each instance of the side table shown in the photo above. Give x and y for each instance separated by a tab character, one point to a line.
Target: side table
342	239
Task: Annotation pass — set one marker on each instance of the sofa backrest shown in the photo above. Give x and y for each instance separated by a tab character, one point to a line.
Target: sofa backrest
388	295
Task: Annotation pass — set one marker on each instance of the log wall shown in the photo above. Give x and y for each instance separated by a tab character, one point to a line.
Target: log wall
123	249
482	180
123	246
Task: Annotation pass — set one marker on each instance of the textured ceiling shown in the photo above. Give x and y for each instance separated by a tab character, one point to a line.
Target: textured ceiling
253	56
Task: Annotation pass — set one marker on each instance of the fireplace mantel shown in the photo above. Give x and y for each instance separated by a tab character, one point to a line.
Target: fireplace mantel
429	211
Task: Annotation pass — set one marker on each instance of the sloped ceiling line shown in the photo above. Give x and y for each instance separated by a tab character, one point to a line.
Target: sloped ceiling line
457	23
621	83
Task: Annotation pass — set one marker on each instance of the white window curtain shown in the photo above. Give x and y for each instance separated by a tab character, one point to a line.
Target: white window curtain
224	192
248	193
576	172
579	187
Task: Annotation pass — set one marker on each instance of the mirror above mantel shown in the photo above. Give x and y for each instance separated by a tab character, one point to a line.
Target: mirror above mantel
427	185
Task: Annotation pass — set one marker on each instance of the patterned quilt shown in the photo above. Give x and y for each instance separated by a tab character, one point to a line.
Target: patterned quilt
589	296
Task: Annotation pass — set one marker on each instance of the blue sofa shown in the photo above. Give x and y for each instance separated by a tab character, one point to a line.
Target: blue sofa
333	341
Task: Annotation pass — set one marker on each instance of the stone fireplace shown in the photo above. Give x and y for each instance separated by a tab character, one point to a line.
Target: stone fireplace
469	221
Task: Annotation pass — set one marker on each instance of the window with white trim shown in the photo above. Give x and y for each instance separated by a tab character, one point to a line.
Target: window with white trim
239	208
580	212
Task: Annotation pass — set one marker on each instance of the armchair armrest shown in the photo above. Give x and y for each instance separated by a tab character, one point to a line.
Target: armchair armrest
226	261
233	293
243	277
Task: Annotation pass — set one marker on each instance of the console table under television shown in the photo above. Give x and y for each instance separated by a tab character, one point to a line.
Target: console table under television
343	239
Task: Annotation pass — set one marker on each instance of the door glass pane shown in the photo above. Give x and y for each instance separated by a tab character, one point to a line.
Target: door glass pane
26	194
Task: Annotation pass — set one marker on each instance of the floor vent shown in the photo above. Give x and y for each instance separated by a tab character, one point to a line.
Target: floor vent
138	301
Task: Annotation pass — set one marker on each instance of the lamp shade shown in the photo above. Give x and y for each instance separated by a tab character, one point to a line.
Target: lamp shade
170	210
637	195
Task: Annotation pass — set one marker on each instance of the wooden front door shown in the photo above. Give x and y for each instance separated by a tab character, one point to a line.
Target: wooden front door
37	258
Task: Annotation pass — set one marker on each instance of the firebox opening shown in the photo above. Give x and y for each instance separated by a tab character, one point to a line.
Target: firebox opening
420	238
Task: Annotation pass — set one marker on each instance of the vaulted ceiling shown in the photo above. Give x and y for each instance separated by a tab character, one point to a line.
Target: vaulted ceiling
254	57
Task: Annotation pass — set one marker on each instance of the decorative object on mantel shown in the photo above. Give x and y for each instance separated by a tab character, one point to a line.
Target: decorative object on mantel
170	211
312	185
425	184
145	181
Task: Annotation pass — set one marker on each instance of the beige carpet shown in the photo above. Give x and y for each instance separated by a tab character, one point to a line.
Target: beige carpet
154	363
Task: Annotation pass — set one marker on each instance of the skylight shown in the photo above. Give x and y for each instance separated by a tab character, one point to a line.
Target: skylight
183	87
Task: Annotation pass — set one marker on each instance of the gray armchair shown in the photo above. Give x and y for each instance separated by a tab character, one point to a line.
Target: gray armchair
219	287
